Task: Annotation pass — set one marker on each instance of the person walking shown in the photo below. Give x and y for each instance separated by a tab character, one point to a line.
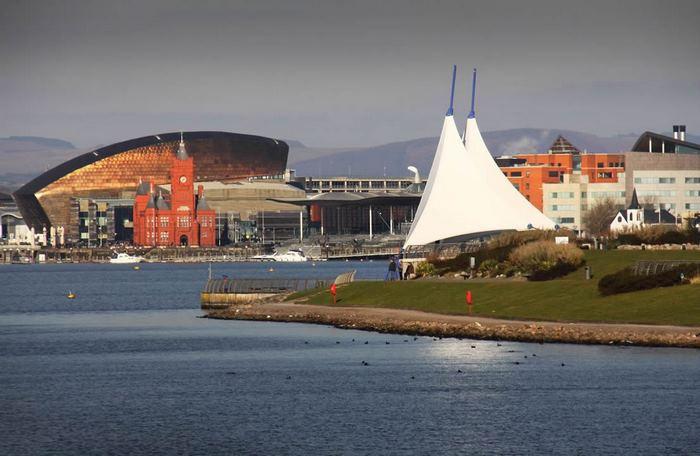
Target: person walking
399	269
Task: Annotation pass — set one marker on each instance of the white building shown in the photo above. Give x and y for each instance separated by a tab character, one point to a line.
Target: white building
565	203
677	191
636	216
670	182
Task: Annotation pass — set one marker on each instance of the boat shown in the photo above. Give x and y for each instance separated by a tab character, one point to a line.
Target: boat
125	258
291	256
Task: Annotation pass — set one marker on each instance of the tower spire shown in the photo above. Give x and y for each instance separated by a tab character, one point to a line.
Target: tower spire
471	111
181	151
450	111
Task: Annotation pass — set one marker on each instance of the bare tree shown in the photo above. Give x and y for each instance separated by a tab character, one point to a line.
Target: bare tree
649	202
598	218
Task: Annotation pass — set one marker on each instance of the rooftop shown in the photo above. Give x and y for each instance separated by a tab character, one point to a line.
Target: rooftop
658	143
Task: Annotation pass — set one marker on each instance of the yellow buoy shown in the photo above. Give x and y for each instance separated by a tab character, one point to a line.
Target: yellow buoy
136	268
70	295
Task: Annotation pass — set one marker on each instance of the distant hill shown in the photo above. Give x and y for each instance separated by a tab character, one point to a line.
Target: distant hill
393	158
38	141
24	157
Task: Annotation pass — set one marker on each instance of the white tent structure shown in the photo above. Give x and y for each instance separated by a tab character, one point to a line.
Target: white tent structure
467	194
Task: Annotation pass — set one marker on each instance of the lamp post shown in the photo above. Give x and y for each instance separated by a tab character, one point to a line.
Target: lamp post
263	227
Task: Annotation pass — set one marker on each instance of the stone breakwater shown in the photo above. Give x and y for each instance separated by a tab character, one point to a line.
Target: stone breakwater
436	325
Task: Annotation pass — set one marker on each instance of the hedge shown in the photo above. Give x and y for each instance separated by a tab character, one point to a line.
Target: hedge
626	280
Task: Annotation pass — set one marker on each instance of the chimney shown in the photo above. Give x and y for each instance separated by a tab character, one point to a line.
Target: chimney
675	131
681	131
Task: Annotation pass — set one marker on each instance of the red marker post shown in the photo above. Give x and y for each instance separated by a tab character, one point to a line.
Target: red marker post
470	301
334	291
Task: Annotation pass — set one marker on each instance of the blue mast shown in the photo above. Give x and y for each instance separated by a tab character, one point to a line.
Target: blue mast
450	111
471	112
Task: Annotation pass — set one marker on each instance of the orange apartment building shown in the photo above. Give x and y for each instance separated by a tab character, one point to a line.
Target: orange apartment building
527	172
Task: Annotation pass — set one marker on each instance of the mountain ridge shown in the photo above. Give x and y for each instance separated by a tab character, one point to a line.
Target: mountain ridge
393	158
24	157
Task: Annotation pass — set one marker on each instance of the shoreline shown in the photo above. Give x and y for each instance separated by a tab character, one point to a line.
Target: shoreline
417	323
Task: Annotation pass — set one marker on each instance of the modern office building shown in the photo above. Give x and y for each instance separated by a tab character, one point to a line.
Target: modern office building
566	202
666	177
113	173
655	143
249	211
356	184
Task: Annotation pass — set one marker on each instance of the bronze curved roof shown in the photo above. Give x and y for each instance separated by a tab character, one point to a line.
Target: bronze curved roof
219	155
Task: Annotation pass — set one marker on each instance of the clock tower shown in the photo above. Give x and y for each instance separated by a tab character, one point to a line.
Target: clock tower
182	196
184	219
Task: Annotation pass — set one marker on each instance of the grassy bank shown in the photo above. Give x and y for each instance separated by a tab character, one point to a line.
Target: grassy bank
571	298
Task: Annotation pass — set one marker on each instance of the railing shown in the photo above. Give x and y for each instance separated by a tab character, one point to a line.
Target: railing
345	252
225	286
262	285
443	250
345	277
656	267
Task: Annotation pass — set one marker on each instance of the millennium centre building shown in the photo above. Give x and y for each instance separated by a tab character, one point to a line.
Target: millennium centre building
113	173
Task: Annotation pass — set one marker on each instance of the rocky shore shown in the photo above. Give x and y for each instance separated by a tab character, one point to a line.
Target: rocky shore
436	325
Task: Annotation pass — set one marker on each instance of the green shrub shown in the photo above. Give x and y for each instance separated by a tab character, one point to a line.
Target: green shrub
544	260
626	280
658	235
425	269
497	249
629	238
488	266
507	269
672	237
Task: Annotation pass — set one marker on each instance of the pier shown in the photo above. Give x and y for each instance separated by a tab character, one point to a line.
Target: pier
18	254
221	293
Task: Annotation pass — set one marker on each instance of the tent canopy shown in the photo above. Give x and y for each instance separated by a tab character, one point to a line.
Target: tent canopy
467	194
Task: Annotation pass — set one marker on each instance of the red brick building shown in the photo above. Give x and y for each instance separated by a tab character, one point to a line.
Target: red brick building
533	170
182	219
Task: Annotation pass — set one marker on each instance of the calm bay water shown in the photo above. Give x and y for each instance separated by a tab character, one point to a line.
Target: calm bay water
127	368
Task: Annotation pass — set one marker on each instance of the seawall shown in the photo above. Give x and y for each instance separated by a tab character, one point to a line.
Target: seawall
437	325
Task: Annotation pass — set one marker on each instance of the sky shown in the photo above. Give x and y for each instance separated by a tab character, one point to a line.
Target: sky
344	73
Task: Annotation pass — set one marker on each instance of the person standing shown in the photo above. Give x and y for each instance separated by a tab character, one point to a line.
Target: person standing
391	272
399	268
410	272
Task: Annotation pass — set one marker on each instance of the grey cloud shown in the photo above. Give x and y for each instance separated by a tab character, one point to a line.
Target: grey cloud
343	73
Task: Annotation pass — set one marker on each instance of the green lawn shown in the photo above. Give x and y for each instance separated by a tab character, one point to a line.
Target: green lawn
571	298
